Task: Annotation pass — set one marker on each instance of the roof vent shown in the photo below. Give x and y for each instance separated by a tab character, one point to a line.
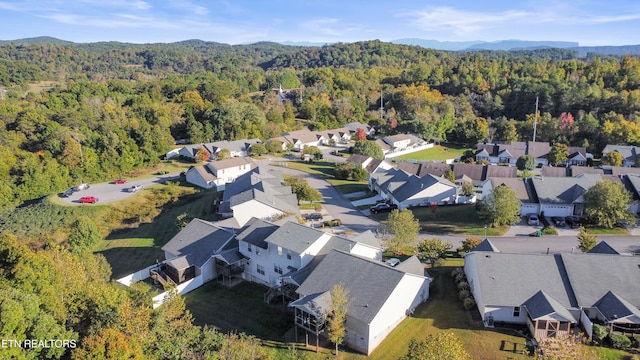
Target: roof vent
487	256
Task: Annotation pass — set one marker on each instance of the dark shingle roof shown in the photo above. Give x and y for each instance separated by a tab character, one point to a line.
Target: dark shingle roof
199	240
256	231
603	248
369	282
486	245
295	237
614	307
541	304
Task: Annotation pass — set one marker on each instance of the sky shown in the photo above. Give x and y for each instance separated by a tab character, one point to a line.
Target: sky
588	22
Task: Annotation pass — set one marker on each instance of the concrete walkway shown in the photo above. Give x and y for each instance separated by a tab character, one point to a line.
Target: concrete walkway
368	201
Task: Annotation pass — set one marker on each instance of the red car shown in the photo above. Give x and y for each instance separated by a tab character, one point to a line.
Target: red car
120	181
88	200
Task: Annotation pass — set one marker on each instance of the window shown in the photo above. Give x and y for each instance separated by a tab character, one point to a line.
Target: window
249	248
288	255
260	269
279	250
277	269
516	311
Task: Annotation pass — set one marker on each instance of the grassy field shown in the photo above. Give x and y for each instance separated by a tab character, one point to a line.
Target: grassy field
451	219
324	170
436	153
240	309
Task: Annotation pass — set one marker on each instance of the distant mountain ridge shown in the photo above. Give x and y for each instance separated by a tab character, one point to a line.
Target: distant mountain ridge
503	45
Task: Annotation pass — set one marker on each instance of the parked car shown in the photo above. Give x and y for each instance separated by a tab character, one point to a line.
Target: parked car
120	181
558	221
393	262
313	216
383	207
68	192
573	221
88	200
83	186
135	188
532	219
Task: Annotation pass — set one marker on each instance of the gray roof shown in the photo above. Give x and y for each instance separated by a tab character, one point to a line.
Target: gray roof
628	152
204	171
413	184
511	279
230	163
256	231
412	266
353	126
295	237
603	248
541	304
367	238
614	307
563	190
592	275
370	283
520	186
317	304
486	245
199	240
573	280
235	145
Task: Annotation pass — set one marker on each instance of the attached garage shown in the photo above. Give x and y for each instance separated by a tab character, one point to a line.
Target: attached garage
556	209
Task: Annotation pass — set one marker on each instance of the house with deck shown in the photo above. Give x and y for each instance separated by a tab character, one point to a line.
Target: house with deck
216	174
379	297
555	294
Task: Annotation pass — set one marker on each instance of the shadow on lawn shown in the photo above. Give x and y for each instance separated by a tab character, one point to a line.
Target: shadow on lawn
126	260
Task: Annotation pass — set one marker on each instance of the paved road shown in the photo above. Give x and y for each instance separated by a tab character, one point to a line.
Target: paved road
109	192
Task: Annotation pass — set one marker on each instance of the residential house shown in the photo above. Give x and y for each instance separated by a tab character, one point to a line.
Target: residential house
259	193
370	164
279	252
190	253
235	147
380	296
562	196
386	148
333	137
477	174
219	173
354	126
508	154
522	187
300	138
630	154
557	293
407	190
402	141
423	168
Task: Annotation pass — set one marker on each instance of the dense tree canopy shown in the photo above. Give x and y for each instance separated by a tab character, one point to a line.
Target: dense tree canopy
501	207
607	202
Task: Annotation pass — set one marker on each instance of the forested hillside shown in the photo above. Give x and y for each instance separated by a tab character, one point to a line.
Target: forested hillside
113	108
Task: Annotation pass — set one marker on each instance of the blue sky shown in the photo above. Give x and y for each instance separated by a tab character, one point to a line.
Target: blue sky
588	22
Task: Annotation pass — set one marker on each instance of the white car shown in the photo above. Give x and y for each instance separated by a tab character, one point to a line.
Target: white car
393	262
532	219
135	188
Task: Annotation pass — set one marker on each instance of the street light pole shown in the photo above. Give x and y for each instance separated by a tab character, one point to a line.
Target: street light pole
485	231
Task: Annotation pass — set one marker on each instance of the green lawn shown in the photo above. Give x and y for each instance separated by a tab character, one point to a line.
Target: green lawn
438	152
324	170
451	219
240	309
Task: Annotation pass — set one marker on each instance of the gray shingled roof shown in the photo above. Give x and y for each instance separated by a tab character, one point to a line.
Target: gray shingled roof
199	240
367	238
412	265
511	279
603	248
593	275
231	163
317	304
518	185
369	282
614	307
295	237
628	152
486	245
541	304
256	231
564	190
410	186
235	145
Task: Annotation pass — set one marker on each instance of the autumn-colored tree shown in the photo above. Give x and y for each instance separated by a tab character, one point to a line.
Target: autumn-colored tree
558	153
566	121
450	175
405	229
202	154
468	244
564	347
223	154
360	134
586	240
109	344
612	158
337	318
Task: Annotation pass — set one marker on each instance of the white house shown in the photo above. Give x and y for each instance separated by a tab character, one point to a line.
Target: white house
236	148
562	196
522	188
219	173
259	193
402	141
334	136
301	138
380	296
407	190
354	126
370	164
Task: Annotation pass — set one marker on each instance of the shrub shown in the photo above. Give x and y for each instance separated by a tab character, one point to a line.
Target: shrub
619	341
464	294
469	303
599	333
463	285
460	277
635	341
456	271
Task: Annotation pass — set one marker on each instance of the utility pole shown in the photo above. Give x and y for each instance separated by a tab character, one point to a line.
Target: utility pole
381	105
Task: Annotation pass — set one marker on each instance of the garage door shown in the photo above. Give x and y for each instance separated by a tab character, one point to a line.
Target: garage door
557	210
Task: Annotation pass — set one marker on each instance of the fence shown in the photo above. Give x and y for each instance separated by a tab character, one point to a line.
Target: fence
181	289
136	276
